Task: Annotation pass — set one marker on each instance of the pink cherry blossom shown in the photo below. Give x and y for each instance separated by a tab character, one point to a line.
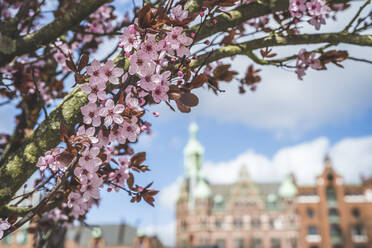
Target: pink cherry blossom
89	159
130	39
112	112
90	114
317	21
131	129
149	81
317	7
178	13
141	63
111	73
90	188
95	90
89	132
151	47
176	38
94	69
4	225
160	93
297	8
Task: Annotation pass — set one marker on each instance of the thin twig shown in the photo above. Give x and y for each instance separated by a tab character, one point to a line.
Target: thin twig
39	94
45	200
360	60
356	15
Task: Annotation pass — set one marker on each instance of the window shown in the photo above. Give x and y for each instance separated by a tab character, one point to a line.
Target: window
331	193
355	212
310	212
239	243
256	223
256	243
275	243
333	212
219	223
238	223
335	230
220	243
358	230
312	230
184	225
330	177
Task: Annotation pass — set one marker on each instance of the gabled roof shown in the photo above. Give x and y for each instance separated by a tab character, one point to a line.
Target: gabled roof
113	235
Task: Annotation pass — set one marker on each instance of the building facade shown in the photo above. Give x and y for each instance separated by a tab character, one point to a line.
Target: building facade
247	214
334	214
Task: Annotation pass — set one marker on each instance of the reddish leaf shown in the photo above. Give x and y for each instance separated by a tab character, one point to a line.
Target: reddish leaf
198	81
130	181
83	62
189	99
183	108
71	65
138	158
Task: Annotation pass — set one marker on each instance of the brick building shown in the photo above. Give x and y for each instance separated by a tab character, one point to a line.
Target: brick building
246	214
335	214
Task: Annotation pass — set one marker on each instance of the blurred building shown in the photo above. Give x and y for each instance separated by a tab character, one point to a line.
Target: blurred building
335	214
247	214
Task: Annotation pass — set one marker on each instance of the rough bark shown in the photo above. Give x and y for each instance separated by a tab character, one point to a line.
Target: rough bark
10	48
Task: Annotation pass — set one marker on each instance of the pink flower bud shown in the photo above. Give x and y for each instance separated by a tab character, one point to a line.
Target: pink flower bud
156	114
207	42
195	57
109	189
173	60
202	14
140	189
214	21
192	35
179	73
127	54
121	45
179	80
112	174
204	8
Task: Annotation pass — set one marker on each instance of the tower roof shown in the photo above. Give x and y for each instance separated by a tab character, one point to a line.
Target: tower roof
287	188
202	190
193	145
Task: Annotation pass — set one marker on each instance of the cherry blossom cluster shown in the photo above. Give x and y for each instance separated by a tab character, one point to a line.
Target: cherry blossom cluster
100	22
50	161
317	9
304	61
4	225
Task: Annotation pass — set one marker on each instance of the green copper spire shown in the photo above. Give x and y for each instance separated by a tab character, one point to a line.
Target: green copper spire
287	188
202	191
193	153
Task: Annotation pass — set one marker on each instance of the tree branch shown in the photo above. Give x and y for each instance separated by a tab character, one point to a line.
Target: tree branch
246	47
242	14
50	32
20	165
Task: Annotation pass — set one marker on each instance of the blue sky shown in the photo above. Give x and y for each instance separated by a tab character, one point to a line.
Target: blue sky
285	126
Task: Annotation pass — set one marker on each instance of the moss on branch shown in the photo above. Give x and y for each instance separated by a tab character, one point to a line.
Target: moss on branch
52	31
22	164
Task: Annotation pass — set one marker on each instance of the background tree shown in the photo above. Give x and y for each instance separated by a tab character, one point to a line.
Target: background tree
166	49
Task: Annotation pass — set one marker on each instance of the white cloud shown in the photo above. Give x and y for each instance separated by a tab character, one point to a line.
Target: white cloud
168	195
350	157
284	104
166	232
